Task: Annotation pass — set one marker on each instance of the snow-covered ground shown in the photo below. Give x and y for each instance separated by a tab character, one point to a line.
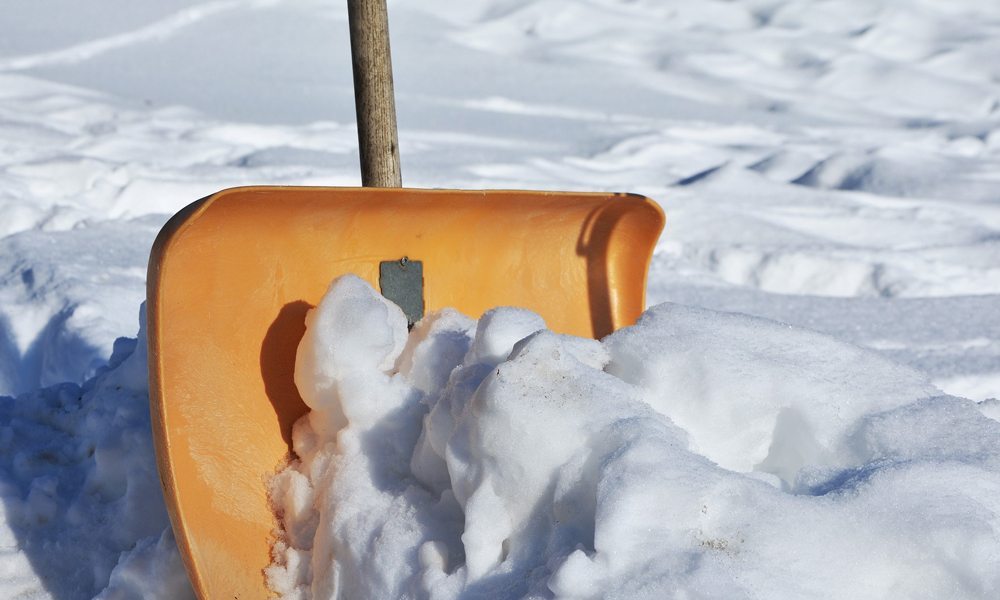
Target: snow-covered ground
830	165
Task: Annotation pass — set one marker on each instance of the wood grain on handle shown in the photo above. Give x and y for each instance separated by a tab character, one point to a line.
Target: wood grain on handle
373	95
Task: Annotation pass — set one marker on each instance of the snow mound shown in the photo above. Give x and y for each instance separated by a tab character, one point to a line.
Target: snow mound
82	512
696	453
64	297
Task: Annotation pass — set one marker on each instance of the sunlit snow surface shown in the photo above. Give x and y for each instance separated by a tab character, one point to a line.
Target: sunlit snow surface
830	165
695	454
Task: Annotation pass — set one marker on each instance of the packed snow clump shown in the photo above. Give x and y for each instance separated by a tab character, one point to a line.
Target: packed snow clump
696	454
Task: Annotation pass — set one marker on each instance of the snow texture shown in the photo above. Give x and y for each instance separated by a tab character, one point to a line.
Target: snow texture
83	511
744	459
831	166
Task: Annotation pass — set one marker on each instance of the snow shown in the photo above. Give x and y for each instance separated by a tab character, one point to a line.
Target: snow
695	453
83	512
829	166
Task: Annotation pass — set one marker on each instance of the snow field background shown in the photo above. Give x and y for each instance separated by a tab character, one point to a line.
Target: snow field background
829	165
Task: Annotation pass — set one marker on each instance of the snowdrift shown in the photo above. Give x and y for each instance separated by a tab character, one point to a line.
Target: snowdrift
696	453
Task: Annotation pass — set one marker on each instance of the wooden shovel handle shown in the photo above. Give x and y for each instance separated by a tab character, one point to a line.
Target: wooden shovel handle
373	95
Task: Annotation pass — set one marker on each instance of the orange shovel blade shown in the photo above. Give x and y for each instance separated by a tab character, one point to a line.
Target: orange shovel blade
232	276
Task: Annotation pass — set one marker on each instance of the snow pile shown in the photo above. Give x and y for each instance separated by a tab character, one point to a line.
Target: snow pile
701	453
82	512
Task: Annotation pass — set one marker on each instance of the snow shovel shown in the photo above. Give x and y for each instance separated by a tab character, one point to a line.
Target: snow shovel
232	275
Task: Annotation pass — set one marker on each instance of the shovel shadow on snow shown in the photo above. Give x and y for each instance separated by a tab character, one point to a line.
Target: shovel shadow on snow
55	354
44	465
76	478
